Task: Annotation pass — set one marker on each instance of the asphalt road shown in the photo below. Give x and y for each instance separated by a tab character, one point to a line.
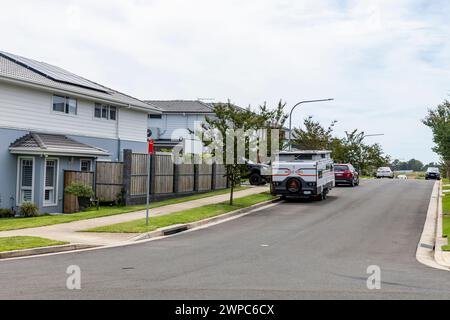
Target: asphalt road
294	250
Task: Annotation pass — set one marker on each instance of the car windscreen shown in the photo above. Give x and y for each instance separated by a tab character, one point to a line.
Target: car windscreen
433	170
340	168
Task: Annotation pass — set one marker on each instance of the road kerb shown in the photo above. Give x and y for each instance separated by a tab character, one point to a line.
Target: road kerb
440	256
196	224
43	250
425	250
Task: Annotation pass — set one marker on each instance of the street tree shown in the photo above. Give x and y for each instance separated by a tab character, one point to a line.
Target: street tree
240	133
438	120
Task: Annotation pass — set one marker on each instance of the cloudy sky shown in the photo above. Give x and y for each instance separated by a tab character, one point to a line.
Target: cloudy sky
385	62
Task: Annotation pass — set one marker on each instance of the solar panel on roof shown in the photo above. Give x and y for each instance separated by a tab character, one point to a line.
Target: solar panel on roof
54	73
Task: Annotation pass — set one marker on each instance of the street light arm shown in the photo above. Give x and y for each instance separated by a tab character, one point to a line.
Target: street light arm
292	111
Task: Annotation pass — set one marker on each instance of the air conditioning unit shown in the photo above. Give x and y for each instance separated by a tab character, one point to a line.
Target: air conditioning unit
154	133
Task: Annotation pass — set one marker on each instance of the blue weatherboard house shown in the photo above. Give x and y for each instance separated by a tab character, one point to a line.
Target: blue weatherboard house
52	120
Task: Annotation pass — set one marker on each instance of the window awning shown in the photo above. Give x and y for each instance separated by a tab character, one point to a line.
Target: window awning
54	145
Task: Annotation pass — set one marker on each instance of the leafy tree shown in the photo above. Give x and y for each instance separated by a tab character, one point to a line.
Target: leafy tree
313	136
415	165
274	120
439	121
229	117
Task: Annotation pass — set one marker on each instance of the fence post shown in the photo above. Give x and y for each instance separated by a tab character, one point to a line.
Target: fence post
127	169
213	176
176	173
196	177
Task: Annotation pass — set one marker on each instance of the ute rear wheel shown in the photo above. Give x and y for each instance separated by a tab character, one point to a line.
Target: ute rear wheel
255	179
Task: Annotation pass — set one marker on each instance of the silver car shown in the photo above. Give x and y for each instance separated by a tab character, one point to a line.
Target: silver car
385	172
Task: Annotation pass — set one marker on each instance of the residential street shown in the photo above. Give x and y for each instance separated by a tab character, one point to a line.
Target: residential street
293	250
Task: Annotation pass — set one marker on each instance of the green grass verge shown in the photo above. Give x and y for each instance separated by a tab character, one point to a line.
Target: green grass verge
446	222
19	243
47	220
186	216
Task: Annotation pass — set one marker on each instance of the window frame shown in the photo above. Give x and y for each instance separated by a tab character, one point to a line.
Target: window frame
55	187
107	108
19	187
90	166
66	105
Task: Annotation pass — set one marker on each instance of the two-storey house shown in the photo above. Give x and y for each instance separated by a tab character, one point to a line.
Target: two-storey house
52	120
178	119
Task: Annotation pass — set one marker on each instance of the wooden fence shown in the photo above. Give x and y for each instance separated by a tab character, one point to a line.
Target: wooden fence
108	180
163	171
70	201
168	179
129	178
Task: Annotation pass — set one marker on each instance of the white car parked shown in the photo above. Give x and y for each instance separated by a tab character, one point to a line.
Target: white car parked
385	172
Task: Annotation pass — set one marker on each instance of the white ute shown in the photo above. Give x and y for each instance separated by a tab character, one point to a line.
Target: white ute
303	174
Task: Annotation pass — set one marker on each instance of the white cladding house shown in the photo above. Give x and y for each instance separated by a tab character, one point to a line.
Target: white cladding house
177	116
52	120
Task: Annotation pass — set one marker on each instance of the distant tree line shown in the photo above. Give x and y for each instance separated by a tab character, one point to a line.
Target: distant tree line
412	165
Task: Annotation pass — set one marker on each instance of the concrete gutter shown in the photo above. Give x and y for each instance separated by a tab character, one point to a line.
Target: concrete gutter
429	250
43	250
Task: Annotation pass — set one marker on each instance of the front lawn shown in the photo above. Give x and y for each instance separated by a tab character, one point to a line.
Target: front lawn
446	222
47	220
186	216
19	243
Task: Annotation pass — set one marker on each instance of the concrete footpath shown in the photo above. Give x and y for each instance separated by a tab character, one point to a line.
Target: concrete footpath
69	232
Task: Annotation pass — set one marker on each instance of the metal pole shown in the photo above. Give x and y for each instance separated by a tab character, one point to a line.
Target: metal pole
292	110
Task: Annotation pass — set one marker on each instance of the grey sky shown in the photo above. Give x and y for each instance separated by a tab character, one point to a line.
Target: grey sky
385	62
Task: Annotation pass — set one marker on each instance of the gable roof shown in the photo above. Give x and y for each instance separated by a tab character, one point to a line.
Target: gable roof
181	106
25	71
52	144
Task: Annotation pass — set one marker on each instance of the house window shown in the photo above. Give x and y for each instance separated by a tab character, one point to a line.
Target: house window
98	110
51	181
155	116
64	105
112	113
25	180
105	112
86	165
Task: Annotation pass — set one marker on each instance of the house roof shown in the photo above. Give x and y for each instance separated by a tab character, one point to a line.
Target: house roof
50	144
17	69
181	106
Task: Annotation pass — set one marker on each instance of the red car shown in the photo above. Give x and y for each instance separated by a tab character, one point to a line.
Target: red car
346	174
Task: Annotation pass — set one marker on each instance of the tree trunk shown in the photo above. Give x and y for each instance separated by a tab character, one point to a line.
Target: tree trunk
232	193
448	170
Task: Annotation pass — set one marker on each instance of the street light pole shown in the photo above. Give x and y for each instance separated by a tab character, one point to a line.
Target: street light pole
292	111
